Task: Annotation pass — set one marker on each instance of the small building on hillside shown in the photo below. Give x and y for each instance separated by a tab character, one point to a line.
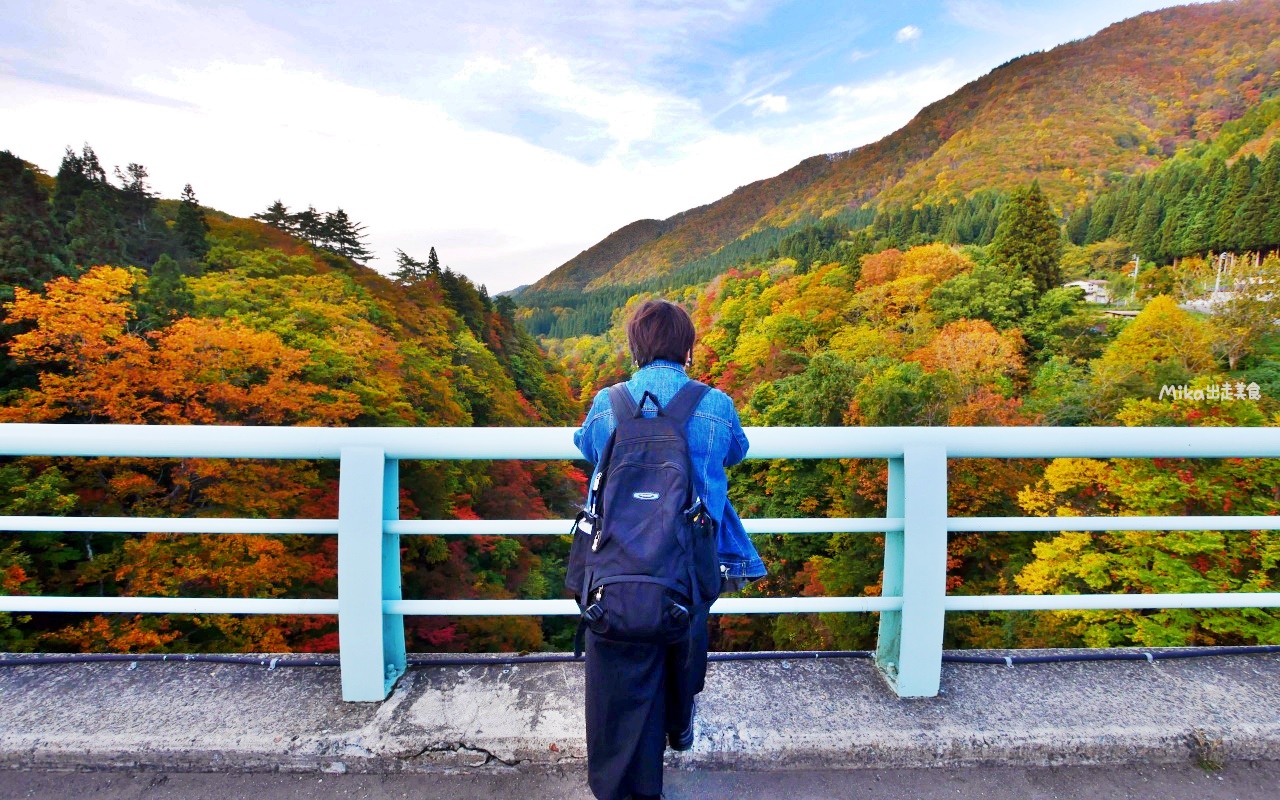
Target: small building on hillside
1095	291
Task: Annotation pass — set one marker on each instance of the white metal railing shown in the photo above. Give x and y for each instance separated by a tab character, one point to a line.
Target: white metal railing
370	607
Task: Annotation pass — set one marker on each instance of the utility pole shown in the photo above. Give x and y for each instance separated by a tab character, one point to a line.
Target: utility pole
1222	263
1136	263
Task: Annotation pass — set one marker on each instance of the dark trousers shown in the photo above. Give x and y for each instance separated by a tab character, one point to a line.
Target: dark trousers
636	693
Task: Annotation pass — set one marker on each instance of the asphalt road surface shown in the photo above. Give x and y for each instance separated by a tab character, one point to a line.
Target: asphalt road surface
1237	781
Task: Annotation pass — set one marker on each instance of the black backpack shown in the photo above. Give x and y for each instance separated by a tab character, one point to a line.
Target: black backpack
644	549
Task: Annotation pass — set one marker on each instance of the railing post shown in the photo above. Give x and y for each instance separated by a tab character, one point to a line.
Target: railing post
361	638
889	640
392	624
924	571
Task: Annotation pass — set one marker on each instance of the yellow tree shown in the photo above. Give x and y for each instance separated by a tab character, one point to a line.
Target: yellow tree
1163	345
1140	562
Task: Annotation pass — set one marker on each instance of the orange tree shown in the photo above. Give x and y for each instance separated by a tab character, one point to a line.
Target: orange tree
95	368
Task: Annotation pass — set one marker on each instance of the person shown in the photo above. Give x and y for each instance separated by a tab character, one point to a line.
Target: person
640	697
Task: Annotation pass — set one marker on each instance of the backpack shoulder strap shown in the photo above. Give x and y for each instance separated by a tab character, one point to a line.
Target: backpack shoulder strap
624	405
686	401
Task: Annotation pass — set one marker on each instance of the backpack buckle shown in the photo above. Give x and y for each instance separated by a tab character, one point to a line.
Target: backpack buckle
696	512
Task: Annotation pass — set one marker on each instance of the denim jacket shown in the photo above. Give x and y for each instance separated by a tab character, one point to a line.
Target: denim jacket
716	440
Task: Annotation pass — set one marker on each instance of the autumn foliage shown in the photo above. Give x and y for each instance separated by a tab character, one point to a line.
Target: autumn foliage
265	330
915	281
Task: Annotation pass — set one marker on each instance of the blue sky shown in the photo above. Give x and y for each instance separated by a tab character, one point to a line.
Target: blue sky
508	135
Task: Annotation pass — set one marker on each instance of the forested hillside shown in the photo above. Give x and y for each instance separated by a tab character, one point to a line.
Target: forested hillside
1077	119
121	307
942	300
935	334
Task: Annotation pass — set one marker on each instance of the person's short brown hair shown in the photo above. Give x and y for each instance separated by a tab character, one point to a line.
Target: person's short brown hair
659	329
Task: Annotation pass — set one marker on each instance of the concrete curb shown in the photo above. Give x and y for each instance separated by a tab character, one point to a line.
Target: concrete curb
764	715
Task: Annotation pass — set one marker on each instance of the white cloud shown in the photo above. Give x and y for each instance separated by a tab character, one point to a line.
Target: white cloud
497	208
479	66
859	55
989	16
911	90
868	110
446	157
910	33
767	104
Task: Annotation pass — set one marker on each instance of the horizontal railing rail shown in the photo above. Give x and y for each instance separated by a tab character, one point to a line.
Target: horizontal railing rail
370	608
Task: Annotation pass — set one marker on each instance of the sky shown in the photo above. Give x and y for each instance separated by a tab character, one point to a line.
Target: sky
510	136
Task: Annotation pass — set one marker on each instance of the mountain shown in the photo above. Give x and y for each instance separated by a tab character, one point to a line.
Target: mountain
598	259
1076	118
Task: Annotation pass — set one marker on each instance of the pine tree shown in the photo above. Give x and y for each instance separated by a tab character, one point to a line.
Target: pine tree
461	296
95	232
344	236
30	253
1239	184
1029	238
308	224
1268	192
190	226
1146	231
167	296
506	308
1102	216
1200	230
1078	224
77	174
146	236
136	198
1128	207
433	262
1173	230
277	216
409	270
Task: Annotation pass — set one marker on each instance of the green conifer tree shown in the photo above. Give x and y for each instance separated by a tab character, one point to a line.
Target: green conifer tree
77	174
1029	238
166	297
1267	191
1128	207
409	270
95	232
277	216
1226	235
1146	232
30	253
190	226
1078	224
308	224
1102	217
1199	236
344	236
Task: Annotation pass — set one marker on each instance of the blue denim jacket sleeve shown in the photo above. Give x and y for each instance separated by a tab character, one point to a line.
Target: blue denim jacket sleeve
738	444
716	440
591	438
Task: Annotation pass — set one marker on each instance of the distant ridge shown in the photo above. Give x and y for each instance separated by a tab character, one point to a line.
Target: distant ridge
598	259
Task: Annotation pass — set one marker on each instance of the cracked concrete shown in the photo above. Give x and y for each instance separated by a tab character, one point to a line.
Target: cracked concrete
769	715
